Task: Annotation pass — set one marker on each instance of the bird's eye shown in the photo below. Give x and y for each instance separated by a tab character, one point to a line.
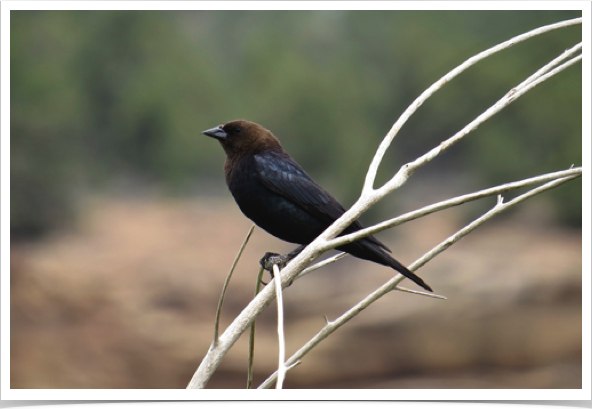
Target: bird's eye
237	130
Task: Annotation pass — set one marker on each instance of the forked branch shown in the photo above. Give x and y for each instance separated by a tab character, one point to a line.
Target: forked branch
370	196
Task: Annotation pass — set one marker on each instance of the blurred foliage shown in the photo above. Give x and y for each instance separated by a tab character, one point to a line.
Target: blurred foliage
101	97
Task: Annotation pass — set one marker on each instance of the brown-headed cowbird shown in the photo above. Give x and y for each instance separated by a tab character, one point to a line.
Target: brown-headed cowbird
273	191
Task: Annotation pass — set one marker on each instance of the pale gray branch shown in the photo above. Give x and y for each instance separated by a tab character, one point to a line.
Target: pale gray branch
555	62
407	170
368	198
371	175
280	325
423	293
506	187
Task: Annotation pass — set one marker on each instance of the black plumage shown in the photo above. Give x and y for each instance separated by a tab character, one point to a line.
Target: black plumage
280	197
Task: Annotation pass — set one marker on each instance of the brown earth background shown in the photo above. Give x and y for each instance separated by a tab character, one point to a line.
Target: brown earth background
128	298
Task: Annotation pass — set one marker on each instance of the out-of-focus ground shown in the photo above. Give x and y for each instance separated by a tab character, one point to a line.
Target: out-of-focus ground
127	300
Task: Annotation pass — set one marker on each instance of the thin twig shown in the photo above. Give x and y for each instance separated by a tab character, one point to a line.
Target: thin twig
499	207
371	175
407	170
280	327
445	204
430	295
320	264
227	281
553	63
252	335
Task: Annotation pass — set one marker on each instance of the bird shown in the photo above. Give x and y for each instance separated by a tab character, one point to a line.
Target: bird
276	193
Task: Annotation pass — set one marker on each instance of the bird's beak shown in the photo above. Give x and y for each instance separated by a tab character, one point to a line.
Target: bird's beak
217	133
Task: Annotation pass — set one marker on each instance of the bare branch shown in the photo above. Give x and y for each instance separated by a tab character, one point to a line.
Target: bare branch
368	231
553	63
371	175
252	335
423	293
280	324
407	170
499	207
228	338
227	281
368	198
321	264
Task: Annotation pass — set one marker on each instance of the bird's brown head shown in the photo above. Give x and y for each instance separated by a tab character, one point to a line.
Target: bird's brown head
243	137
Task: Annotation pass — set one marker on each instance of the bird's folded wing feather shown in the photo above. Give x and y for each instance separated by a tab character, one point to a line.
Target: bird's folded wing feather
282	175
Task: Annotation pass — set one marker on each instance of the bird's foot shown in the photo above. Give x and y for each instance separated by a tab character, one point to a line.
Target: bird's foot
271	259
281	260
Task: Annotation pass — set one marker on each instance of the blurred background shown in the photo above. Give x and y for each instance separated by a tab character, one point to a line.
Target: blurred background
122	229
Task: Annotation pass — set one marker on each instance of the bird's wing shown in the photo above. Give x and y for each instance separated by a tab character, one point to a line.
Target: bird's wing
282	175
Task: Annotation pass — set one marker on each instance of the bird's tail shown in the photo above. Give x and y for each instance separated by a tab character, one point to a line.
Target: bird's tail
371	251
391	262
